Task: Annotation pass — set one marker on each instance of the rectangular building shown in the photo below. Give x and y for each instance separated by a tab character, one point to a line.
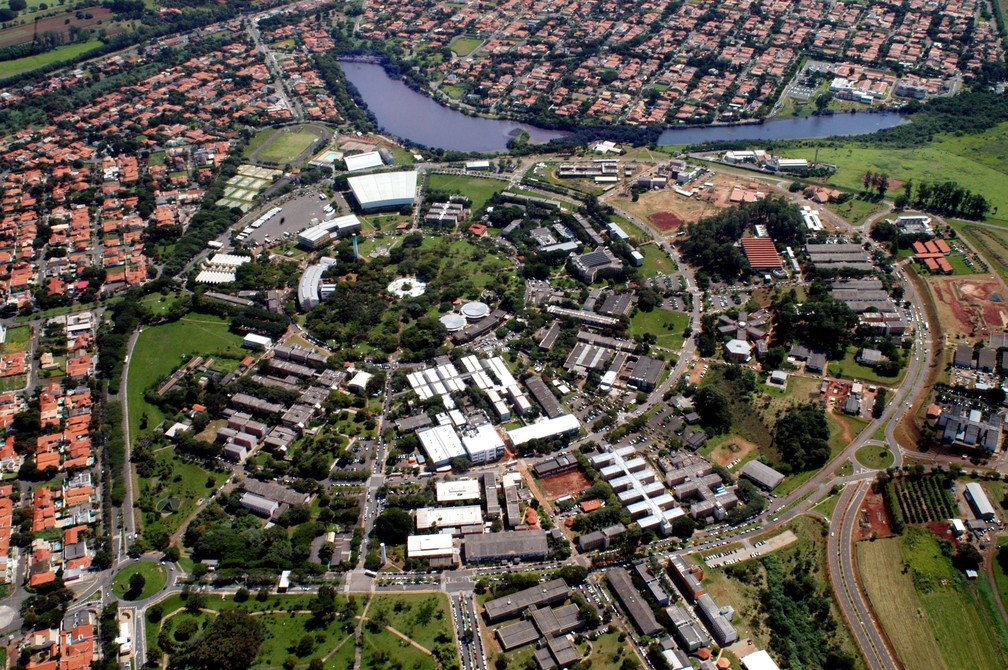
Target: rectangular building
632	602
515	545
977	499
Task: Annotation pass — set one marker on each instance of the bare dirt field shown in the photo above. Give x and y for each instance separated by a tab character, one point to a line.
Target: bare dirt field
873	511
668	210
969	307
566	484
737	448
60	23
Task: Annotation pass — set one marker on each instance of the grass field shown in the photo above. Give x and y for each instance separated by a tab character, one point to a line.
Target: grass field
287	147
159	350
932	615
874	456
849	368
855	211
656	261
260	139
979	162
380	646
183	481
477	189
464	46
1000	576
284	625
423	617
18	339
666	326
17	66
154	574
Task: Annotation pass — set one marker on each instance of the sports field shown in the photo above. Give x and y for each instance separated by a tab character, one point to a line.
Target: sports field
931	614
477	189
287	146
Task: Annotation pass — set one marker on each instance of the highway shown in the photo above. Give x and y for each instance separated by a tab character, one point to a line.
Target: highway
843	576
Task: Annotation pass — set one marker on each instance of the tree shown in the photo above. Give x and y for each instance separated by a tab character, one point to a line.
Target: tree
18	5
714	409
393	525
683	527
136	586
231	642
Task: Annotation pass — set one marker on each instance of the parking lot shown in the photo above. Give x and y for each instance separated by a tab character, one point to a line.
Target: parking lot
295	215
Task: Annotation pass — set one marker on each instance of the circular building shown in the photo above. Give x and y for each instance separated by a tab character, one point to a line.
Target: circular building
407	287
475	310
453	322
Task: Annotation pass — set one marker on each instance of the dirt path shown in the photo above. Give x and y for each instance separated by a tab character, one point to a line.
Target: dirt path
357	634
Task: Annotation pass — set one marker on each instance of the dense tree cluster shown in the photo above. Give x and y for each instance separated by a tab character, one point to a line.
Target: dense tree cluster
821	321
231	642
712	246
947	198
801	437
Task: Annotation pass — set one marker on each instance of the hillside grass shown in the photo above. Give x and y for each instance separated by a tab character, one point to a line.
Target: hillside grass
934	617
477	189
18	66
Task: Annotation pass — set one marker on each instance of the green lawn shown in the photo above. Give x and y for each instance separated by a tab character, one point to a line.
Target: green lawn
158	304
656	261
934	617
477	189
153	573
286	147
423	617
849	368
874	456
58	55
18	339
380	646
607	653
284	625
1000	576
259	140
856	211
160	349
666	326
464	46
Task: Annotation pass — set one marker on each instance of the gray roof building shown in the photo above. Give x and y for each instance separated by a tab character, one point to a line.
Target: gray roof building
541	392
502	546
963	356
646	373
762	475
633	604
510	606
720	628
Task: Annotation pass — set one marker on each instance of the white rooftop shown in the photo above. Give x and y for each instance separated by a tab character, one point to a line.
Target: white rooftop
428	546
462	489
363	161
441	443
448	517
565	423
384	188
759	660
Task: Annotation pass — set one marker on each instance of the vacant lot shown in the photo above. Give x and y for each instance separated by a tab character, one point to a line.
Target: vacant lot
566	484
932	616
477	189
667	326
160	349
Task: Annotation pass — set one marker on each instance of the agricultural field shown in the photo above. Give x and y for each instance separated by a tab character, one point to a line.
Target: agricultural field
477	189
160	349
922	499
85	18
991	242
934	617
68	52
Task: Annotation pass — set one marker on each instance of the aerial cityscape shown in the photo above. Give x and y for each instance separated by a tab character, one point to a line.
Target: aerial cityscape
373	334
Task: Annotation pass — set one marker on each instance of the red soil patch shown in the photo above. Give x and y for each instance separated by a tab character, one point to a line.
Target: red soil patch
565	484
665	220
874	517
894	184
943	531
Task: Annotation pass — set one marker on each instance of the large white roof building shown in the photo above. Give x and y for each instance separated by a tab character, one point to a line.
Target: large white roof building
566	423
448	517
441	444
385	189
460	489
363	161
